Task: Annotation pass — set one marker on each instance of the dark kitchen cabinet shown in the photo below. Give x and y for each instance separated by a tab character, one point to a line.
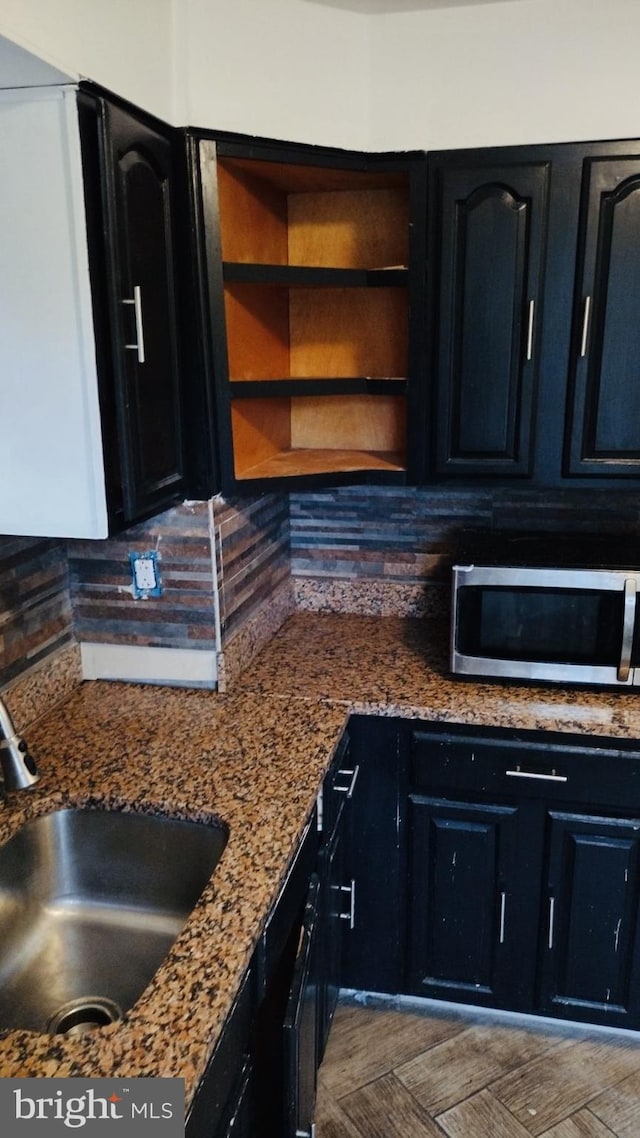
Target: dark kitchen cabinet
238	1122
533	294
374	857
130	172
340	797
301	1036
223	1105
524	883
604	409
469	939
337	901
261	1076
590	950
488	235
480	865
88	263
312	265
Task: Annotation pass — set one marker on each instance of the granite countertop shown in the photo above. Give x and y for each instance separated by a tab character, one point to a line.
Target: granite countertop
195	755
398	666
254	759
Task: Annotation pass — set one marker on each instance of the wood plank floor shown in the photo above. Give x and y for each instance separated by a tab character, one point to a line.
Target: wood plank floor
401	1070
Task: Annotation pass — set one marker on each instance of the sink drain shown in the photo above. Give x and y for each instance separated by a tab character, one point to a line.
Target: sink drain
83	1015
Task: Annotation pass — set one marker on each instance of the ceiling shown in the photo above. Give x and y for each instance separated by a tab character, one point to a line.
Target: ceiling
379	7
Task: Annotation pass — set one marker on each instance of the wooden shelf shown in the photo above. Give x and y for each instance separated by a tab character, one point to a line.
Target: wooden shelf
319	385
289	276
301	463
343	432
304	333
316	305
283	214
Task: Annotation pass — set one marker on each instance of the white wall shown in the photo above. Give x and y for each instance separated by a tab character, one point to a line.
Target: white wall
281	68
321	71
533	71
289	69
126	45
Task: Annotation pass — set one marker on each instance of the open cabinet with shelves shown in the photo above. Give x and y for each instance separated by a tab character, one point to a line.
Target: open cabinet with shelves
309	265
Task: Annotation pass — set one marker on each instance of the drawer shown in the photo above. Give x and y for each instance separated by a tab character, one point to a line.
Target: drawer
337	788
602	775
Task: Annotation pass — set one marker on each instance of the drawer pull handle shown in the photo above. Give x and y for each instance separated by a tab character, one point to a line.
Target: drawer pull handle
351	915
553	777
532	309
503	913
586	316
353	775
552	913
628	625
136	301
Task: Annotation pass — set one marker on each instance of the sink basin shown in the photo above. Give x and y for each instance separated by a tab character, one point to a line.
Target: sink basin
90	903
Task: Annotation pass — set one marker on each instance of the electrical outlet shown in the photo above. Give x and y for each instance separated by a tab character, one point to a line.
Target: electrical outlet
145	574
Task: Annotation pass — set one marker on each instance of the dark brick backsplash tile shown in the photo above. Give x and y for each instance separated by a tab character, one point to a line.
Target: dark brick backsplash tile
350	538
35	608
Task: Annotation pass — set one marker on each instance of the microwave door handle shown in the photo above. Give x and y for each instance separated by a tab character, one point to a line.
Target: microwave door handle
628	624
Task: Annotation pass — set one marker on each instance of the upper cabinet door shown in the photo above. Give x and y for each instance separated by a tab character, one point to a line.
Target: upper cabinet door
141	266
604	409
488	235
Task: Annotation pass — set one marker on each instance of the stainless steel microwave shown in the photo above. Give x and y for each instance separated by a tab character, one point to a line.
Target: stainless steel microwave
547	609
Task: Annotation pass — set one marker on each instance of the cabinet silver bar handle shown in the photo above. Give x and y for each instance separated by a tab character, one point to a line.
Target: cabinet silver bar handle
307	1133
628	625
503	912
553	777
532	309
136	301
586	317
353	775
552	913
351	915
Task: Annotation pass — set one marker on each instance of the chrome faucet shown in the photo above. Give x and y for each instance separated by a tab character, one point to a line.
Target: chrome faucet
19	770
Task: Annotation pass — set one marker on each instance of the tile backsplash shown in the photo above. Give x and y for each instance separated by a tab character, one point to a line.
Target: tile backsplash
252	545
35	606
232	570
226	586
387	551
184	616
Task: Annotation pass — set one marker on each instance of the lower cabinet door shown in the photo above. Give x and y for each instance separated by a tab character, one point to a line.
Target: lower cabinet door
590	952
239	1122
301	1025
221	1106
471	888
373	949
337	913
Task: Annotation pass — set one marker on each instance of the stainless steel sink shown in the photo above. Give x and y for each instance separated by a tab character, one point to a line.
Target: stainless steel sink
90	903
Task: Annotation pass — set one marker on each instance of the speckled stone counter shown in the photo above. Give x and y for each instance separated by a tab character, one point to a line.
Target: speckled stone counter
253	758
195	755
398	666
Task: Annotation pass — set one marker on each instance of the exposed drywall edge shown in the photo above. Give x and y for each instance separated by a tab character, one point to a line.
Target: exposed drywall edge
134	663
